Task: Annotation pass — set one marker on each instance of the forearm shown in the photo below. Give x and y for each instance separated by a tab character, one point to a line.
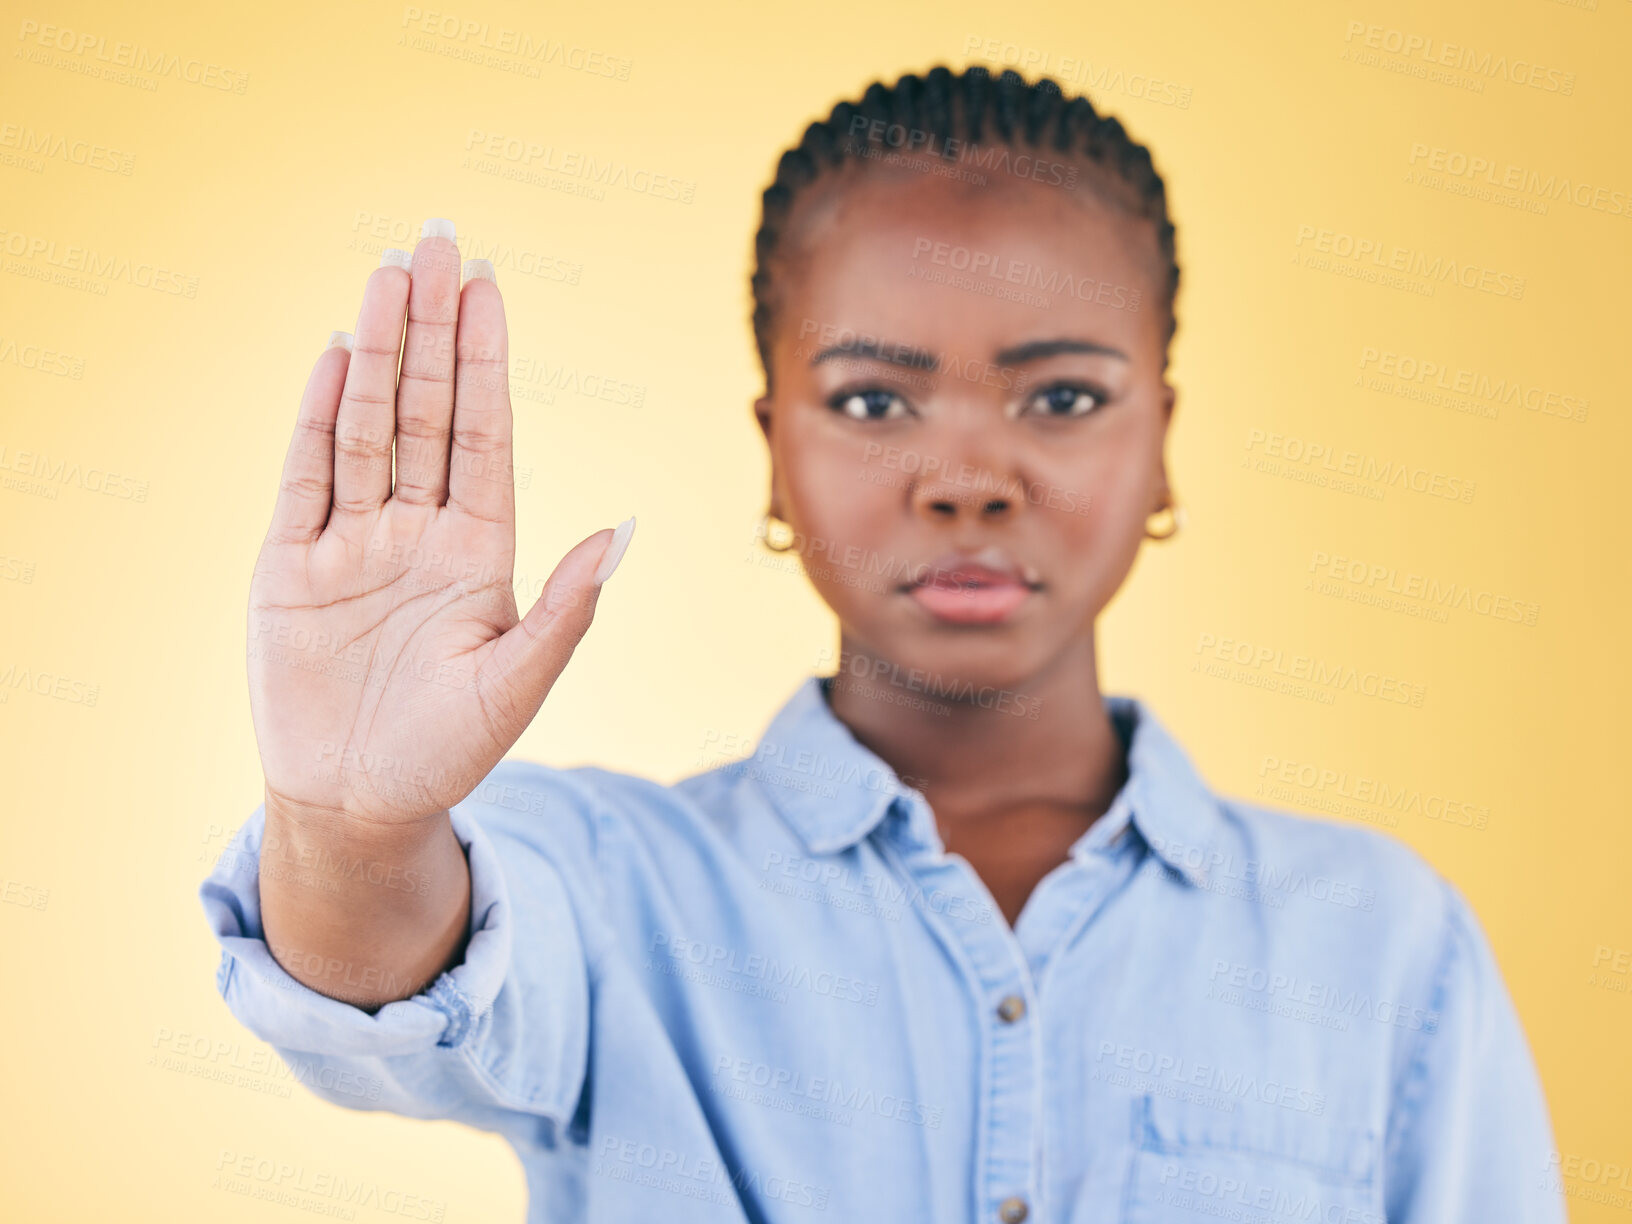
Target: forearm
364	913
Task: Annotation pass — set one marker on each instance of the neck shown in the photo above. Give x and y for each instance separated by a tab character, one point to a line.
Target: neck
982	754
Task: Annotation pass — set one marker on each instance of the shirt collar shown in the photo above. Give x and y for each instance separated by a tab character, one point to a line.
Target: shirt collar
833	790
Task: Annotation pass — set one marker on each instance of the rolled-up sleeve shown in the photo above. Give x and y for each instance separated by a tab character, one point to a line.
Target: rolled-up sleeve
500	1040
1470	1139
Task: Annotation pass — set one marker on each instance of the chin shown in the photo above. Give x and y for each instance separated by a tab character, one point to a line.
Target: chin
948	660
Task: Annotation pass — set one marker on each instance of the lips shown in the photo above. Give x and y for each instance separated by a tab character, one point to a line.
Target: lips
983	588
961	575
990	566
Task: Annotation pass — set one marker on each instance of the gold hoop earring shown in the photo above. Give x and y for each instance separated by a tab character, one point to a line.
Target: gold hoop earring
1168	519
764	535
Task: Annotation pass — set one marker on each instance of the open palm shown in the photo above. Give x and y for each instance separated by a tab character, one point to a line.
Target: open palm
389	668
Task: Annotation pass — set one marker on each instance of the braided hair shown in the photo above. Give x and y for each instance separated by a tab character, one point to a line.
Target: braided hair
948	113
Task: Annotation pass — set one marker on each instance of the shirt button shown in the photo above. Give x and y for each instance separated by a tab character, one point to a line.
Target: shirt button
1012	1211
1011	1009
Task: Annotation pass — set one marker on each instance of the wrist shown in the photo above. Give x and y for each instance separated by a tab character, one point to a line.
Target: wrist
311	829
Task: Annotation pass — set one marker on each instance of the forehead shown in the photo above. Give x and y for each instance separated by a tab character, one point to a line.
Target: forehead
921	258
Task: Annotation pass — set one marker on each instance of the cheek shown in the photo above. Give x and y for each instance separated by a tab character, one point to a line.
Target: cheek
1095	546
1125	496
1115	487
842	489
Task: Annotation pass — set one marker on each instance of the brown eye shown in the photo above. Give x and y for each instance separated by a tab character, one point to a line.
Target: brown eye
1067	400
869	404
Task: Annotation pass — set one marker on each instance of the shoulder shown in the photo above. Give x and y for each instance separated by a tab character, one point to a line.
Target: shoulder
1303	869
1369	868
1357	882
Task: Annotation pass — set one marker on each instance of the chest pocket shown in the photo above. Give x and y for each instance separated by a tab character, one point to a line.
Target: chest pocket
1256	1164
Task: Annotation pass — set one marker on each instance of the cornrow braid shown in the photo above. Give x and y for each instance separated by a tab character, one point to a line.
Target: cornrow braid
949	112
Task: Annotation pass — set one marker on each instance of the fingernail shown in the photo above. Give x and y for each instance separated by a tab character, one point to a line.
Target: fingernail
437	227
615	550
479	269
391	257
341	340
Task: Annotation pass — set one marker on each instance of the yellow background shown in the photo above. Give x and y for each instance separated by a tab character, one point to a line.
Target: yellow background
114	810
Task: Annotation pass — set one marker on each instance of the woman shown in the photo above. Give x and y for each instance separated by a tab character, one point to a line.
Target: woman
961	938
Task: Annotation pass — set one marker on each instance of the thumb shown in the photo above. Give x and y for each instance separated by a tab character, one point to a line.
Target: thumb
533	653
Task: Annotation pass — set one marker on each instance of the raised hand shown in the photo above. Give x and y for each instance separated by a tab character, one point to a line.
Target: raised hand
389	668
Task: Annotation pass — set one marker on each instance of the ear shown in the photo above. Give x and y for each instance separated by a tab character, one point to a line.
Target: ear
762	414
1163	489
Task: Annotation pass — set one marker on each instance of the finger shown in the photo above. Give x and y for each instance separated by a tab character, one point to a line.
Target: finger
368	407
481	481
425	391
526	660
307	485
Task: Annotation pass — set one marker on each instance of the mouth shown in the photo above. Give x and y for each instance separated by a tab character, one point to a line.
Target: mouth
969	591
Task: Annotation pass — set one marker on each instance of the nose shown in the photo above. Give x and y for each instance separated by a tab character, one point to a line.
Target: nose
963	479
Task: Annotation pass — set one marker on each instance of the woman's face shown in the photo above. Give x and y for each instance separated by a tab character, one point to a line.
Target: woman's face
959	368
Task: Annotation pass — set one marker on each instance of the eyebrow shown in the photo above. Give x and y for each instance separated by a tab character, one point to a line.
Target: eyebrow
1036	350
894	354
923	359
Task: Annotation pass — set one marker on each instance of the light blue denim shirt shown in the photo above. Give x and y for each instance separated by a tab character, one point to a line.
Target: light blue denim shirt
766	993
